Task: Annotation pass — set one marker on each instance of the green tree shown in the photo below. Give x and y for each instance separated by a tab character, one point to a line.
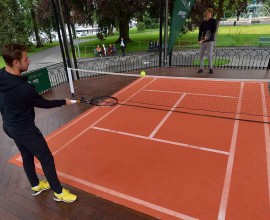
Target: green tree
122	11
12	23
45	18
30	8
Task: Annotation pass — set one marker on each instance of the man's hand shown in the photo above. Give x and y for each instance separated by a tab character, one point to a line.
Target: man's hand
68	101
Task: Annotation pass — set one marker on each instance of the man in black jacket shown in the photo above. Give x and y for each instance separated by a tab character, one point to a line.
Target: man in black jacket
206	39
17	101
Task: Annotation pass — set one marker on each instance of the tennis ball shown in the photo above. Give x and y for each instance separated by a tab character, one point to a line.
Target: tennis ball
143	73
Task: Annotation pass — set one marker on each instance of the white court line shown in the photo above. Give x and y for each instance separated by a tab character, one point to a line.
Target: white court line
97	121
162	141
74	121
228	176
267	136
167	116
191	93
121	195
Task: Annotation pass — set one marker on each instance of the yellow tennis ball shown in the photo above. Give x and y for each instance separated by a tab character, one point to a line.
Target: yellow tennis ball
143	73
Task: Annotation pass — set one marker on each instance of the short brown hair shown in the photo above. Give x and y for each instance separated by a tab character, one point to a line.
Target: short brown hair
210	10
11	52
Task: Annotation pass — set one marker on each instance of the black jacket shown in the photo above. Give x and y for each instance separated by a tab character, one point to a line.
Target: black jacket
206	25
18	99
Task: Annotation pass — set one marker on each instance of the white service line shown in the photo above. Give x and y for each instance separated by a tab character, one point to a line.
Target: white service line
162	141
191	93
267	136
228	176
167	116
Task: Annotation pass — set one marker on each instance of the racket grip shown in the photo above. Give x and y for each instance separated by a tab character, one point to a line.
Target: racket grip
74	101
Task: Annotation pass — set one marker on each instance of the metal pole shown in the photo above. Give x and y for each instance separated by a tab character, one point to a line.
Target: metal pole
67	16
161	8
268	67
56	18
166	34
77	41
63	30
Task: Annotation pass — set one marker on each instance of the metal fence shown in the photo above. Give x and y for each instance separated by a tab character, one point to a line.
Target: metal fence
229	57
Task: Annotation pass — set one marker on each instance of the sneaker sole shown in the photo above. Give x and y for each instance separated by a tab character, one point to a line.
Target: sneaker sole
60	200
34	193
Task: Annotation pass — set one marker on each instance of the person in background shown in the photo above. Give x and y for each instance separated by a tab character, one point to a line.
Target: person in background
114	49
157	44
17	101
123	46
206	39
98	50
103	50
151	45
110	50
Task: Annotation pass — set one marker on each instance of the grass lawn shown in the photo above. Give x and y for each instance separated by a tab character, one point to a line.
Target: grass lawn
246	35
216	62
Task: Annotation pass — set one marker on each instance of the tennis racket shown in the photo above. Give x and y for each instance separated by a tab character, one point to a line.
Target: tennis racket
206	36
98	101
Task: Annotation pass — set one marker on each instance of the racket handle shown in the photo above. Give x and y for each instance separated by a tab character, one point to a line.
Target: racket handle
74	101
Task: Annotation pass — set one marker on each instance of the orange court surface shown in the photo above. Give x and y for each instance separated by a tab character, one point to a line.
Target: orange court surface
209	160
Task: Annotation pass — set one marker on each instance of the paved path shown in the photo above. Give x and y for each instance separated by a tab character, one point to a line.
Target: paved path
48	57
45	58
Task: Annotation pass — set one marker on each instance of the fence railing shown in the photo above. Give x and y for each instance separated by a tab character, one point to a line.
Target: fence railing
229	57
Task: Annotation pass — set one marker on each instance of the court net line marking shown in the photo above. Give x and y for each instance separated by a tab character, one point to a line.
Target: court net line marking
112	110
121	195
74	121
266	136
228	175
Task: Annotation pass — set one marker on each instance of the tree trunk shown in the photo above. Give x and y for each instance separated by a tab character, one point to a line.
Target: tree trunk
35	27
110	29
50	36
220	10
123	29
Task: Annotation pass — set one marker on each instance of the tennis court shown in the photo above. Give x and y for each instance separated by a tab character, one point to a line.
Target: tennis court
174	148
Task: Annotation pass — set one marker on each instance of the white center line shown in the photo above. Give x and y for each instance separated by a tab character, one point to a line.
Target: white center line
228	176
166	116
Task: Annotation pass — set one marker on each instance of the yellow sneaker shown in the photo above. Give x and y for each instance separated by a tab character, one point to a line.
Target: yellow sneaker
43	185
65	196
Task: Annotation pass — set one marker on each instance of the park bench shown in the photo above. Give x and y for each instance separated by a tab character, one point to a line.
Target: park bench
264	40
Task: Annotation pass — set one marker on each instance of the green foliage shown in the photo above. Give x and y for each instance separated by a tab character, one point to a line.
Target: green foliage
12	23
150	22
141	26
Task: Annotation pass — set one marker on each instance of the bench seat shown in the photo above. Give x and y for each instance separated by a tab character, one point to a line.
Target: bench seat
264	40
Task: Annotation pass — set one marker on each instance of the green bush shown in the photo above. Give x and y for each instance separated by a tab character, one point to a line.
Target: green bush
141	26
